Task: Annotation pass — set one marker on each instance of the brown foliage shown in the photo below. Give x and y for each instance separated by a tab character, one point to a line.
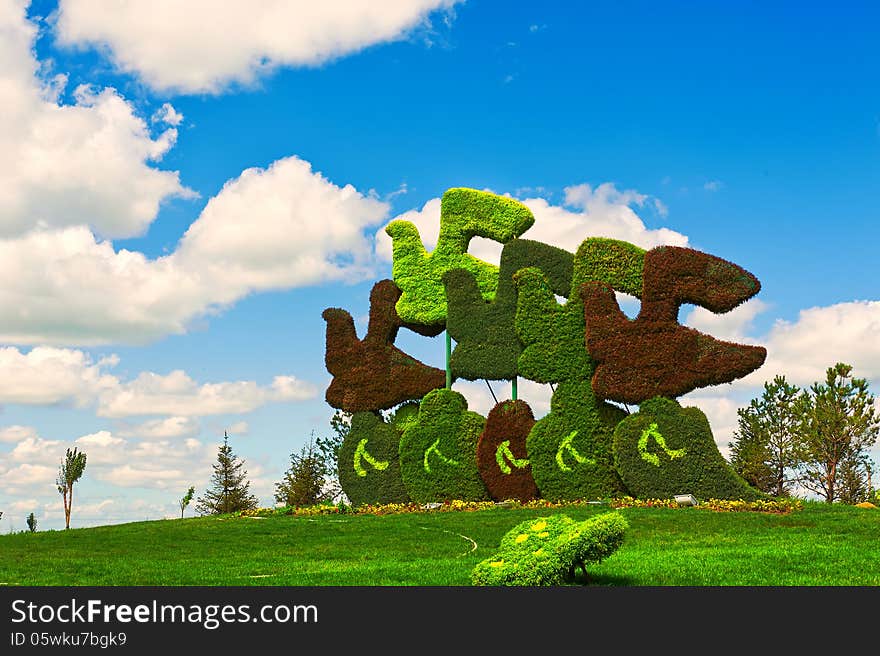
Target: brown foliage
508	421
654	355
373	374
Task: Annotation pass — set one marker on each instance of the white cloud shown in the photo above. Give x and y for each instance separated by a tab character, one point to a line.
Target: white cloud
732	326
167	114
238	428
17	433
102	439
601	212
163	429
820	337
69	164
713	185
285	226
48	375
282	227
203	46
36	450
178	394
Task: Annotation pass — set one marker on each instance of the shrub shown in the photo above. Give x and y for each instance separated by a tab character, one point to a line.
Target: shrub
464	214
487	345
664	450
372	374
438	450
369	460
501	452
547	550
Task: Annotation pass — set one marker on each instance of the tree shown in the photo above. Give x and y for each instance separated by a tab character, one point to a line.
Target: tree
184	502
304	482
768	441
854	479
71	470
32	523
328	450
230	489
842	425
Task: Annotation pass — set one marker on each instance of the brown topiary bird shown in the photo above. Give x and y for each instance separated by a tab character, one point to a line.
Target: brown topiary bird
654	355
372	374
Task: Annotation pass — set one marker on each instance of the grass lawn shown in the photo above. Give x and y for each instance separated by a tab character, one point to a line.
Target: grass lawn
820	545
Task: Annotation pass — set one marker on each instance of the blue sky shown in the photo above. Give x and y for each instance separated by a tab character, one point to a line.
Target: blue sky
170	173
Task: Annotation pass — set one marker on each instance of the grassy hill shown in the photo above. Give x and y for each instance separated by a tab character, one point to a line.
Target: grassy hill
820	545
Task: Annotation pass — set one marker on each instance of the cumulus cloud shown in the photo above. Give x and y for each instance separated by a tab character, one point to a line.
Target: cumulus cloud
167	114
83	163
202	46
48	375
163	429
282	227
16	434
279	227
733	326
178	394
586	212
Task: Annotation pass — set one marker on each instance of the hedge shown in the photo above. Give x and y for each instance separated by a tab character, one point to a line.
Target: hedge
501	452
369	460
438	450
487	345
373	374
664	450
571	448
464	214
547	550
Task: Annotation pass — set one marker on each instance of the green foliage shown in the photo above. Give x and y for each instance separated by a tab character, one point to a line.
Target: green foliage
570	449
229	490
464	214
614	262
184	502
842	425
487	345
664	450
32	523
304	482
71	470
767	445
438	450
547	550
553	335
369	461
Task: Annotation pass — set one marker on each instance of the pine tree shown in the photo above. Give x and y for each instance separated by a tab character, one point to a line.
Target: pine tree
304	483
229	490
842	426
768	443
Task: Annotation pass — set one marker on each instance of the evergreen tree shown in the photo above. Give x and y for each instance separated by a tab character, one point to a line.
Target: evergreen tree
768	443
32	523
229	490
854	479
304	483
842	426
328	450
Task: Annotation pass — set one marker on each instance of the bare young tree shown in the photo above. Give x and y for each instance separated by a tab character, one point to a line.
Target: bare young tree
71	470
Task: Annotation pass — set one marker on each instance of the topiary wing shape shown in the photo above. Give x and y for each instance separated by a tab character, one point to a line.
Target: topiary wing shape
571	448
369	460
464	214
372	374
438	450
487	345
654	355
664	450
501	452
